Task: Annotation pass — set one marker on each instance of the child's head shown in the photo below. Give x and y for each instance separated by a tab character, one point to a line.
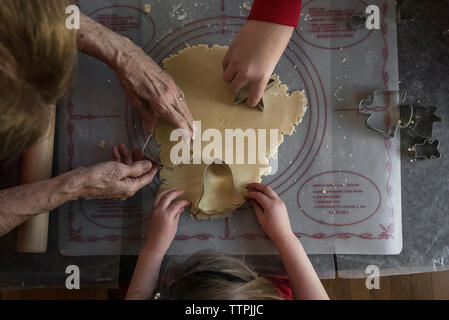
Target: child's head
216	276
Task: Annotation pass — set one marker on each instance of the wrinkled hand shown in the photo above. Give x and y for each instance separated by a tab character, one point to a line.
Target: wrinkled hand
270	211
117	180
164	220
153	91
122	154
253	55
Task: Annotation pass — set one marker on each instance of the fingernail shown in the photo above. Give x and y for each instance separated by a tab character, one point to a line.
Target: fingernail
148	164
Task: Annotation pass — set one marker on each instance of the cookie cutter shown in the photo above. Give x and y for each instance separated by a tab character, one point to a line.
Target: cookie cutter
148	150
381	101
216	163
356	21
416	121
427	150
421	125
243	93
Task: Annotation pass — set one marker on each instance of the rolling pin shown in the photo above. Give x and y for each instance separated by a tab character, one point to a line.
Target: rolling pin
37	162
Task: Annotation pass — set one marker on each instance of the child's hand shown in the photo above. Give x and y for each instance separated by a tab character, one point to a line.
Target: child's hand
164	220
270	211
253	55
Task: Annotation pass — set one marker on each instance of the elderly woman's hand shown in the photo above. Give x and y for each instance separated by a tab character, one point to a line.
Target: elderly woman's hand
148	87
152	90
119	179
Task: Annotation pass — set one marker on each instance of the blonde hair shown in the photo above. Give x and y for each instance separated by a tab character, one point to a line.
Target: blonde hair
214	276
37	59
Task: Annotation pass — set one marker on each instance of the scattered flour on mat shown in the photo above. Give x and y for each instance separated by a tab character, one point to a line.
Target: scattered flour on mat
102	144
147	8
178	13
246	6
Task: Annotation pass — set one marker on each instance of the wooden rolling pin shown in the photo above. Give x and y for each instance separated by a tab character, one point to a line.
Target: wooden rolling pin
37	162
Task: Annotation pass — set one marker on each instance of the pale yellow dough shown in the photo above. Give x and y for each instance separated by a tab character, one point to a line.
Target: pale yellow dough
198	72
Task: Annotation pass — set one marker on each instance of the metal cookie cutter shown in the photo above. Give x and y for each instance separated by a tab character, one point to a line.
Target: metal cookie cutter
382	101
426	150
150	148
421	125
217	170
243	93
387	111
356	22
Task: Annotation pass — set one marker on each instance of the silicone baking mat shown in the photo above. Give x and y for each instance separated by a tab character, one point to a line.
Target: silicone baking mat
340	182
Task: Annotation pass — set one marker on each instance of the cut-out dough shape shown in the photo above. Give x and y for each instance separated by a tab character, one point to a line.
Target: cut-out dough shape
197	70
218	181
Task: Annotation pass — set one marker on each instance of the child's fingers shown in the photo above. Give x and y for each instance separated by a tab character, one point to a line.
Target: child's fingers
162	194
176	208
265	189
229	73
167	199
256	92
226	60
259	197
238	82
257	208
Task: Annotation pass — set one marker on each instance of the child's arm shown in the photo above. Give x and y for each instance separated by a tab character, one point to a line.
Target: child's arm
257	48
285	12
161	232
273	217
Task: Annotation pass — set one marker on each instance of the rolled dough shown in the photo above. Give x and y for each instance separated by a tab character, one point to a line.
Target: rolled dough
197	70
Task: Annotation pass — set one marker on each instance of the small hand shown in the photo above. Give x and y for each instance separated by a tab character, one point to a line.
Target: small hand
153	91
116	180
270	211
164	220
253	55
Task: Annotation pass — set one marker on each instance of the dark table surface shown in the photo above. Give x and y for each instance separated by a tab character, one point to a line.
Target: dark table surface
423	43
